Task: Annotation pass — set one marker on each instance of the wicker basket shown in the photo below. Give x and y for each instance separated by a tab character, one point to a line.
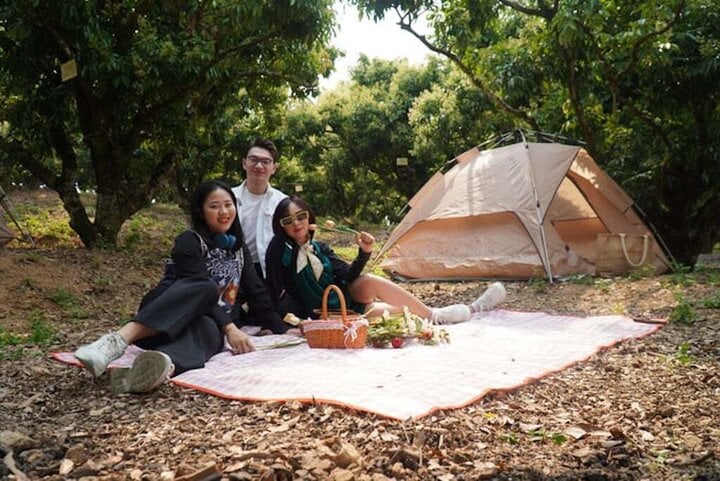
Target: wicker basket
336	330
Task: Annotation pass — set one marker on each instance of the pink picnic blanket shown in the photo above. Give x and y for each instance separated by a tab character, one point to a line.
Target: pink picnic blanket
497	350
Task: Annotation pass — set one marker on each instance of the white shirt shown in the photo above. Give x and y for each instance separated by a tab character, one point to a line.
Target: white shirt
261	209
251	204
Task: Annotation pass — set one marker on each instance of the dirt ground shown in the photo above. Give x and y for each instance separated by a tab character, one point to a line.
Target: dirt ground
647	409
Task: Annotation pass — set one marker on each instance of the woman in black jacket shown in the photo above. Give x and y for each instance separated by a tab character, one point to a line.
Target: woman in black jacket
300	268
185	324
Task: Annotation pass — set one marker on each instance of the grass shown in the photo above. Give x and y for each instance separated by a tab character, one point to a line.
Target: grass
70	303
41	334
349	254
582	279
683	354
683	313
712	302
539	286
48	223
148	227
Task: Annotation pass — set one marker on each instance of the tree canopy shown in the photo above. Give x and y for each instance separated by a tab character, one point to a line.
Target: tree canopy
150	88
638	81
166	93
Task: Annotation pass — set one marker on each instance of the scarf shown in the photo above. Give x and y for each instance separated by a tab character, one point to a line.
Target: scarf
313	273
306	255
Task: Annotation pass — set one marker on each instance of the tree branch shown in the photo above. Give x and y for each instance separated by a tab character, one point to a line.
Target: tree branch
16	150
521	114
636	46
544	11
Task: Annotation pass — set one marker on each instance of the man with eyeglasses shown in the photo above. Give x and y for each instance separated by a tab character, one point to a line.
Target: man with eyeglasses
257	199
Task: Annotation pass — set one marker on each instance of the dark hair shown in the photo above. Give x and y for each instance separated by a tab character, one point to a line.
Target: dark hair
283	209
197	219
266	144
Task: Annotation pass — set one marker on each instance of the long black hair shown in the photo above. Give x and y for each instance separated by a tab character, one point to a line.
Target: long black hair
197	219
283	209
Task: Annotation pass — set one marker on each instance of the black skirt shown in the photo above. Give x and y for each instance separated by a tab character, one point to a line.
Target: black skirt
182	315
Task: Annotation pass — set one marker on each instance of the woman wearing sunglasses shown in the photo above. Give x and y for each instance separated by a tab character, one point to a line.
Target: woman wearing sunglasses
300	268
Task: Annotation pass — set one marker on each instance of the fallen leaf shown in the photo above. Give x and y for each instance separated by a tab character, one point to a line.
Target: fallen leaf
66	466
527	428
575	432
286	426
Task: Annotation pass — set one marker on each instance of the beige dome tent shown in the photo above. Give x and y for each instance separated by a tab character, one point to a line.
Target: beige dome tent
521	211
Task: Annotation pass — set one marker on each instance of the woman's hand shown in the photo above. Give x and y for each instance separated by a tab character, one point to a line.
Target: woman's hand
239	341
366	241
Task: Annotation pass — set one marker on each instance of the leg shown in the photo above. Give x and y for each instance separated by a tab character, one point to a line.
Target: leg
162	319
133	331
368	289
190	350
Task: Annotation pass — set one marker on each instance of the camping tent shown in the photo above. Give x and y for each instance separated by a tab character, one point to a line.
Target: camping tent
521	211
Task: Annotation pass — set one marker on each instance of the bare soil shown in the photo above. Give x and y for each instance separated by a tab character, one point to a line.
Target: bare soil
647	409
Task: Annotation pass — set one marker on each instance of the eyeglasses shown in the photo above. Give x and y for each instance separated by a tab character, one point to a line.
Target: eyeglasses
289	220
262	161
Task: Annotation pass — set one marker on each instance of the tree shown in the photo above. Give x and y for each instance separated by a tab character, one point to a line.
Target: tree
348	142
152	80
639	81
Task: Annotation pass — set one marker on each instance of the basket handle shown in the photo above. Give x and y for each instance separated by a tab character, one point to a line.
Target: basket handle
343	308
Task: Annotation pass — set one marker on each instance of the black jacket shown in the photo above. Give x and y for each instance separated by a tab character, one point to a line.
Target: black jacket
281	279
188	261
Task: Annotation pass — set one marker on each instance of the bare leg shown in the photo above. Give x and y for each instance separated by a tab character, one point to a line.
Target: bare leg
133	330
368	289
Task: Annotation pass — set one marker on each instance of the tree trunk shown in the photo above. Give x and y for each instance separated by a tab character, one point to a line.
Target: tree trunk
79	220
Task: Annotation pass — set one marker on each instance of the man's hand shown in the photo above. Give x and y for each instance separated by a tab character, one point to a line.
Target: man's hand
239	341
366	241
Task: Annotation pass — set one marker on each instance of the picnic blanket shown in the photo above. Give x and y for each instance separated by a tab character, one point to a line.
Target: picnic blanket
497	350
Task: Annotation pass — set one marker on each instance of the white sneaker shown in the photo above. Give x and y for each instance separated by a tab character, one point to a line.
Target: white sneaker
492	296
97	355
450	314
149	370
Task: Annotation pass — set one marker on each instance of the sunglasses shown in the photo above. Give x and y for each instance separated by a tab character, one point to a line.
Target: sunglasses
289	220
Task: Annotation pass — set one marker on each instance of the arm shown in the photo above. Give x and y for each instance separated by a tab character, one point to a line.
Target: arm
259	298
188	257
275	278
189	262
345	272
280	282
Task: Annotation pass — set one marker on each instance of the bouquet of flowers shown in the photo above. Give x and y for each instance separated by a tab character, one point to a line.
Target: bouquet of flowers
398	329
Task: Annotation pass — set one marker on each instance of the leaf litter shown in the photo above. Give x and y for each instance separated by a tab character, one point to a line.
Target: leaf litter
646	409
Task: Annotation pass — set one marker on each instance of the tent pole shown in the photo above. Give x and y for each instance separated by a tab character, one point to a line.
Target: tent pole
5	202
544	252
546	257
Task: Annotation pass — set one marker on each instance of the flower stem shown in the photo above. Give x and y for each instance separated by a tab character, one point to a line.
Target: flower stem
344	230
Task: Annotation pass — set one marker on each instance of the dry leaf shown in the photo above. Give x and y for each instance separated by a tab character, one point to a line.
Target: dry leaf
527	428
610	443
585	453
575	432
66	466
286	426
